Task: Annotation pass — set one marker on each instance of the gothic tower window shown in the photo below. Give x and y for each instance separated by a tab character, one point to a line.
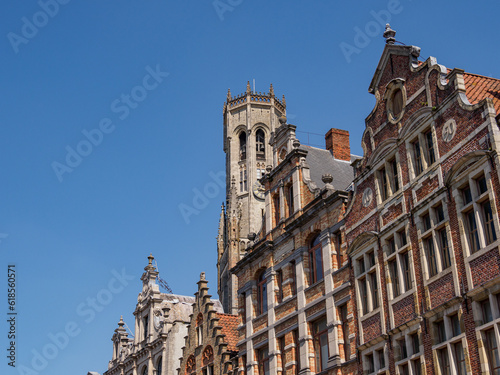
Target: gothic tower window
243	146
145	327
260	144
159	367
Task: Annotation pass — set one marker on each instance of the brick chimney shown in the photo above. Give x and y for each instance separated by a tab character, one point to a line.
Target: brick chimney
337	142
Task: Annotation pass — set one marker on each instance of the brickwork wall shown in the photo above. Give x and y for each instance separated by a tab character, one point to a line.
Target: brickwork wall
404	310
485	267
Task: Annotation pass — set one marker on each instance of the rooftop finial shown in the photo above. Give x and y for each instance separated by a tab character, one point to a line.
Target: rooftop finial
271	90
121	323
284	100
228	95
249	90
202	276
150	259
389	34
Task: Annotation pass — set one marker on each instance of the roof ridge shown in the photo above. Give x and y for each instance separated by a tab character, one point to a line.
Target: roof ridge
482	76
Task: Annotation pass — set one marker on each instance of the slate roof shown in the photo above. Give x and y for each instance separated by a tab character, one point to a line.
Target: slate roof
480	87
229	324
322	161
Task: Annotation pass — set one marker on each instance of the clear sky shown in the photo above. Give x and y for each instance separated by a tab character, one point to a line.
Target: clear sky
137	88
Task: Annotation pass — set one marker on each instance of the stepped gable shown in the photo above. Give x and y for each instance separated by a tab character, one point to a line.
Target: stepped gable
211	336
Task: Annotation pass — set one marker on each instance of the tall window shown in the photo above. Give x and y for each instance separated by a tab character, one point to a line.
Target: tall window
367	282
477	214
297	351
424	152
408	353
260	144
492	352
279	286
159	366
145	322
263	357
315	260
281	343
243	179
320	338
388	179
289	197
243	145
277	208
399	263
199	329
434	228
338	248
262	294
293	276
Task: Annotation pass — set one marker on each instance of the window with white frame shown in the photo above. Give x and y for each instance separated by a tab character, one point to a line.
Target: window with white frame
487	314
436	241
478	214
388	178
450	344
399	263
423	151
367	282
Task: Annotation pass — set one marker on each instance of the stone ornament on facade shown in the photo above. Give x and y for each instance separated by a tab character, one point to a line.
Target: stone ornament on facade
367	197
449	130
158	319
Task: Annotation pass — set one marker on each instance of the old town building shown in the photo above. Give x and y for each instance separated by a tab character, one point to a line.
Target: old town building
293	288
210	344
385	263
160	327
422	225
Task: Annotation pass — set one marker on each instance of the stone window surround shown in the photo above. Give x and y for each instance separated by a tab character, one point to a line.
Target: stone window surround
481	327
373	350
419	134
433	232
387	165
411	355
470	176
450	339
366	278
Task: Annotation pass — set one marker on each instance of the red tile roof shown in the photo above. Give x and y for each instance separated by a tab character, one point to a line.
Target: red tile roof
229	325
480	87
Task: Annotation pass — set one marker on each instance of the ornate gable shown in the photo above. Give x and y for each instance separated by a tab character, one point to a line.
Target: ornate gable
210	344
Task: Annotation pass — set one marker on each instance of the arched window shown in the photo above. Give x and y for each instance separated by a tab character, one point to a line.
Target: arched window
262	294
190	365
145	370
159	367
199	328
207	360
243	145
315	260
260	144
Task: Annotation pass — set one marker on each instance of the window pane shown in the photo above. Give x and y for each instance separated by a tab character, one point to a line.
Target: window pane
418	158
430	148
395	180
405	258
431	256
445	250
473	235
489	226
460	358
481	185
393	269
492	352
374	285
455	325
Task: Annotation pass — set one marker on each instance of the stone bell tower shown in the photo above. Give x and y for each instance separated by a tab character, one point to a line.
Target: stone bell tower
249	121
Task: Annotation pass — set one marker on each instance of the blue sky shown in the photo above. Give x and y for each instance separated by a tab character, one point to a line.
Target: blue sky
146	81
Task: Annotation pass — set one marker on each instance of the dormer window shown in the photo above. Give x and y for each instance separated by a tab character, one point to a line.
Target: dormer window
243	146
260	144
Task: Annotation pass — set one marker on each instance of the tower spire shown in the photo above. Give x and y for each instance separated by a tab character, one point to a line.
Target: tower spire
249	90
271	90
228	95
